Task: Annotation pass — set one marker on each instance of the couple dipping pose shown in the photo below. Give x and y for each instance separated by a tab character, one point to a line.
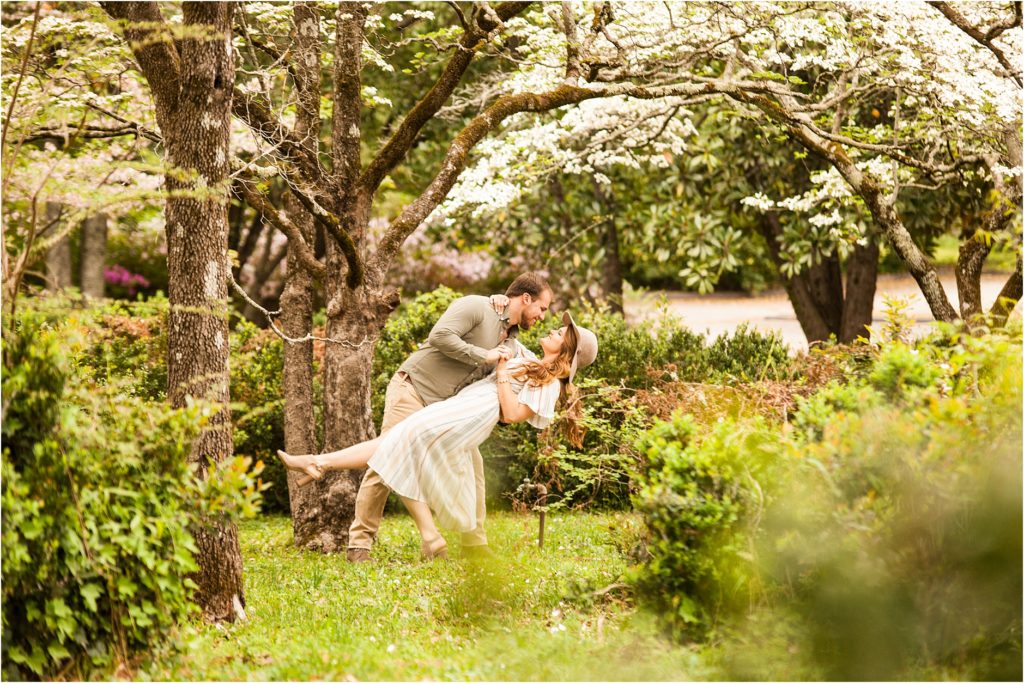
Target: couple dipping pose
444	401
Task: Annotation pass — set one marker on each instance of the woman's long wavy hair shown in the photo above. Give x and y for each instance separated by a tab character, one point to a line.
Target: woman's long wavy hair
537	373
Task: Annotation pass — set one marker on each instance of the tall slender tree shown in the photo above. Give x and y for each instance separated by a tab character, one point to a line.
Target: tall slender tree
93	252
191	76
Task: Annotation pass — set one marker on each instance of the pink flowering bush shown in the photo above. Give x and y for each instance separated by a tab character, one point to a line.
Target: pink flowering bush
120	278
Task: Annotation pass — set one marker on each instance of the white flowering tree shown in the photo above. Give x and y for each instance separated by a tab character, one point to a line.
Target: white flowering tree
896	100
77	140
688	222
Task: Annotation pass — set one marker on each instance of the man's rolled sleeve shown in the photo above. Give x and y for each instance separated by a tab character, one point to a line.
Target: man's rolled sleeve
446	336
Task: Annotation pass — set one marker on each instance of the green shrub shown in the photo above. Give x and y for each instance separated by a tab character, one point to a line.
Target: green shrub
879	539
815	412
748	355
257	406
897	547
901	368
599	474
98	502
128	346
892	551
701	499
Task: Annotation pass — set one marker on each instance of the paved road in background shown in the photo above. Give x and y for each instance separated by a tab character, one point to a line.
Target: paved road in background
723	312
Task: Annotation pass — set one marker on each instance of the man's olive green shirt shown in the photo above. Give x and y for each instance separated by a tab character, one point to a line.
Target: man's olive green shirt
453	355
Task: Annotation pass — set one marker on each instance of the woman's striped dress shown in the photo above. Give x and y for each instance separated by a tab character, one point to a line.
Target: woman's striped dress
426	456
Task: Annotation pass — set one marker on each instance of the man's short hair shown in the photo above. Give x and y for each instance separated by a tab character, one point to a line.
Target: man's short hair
531	283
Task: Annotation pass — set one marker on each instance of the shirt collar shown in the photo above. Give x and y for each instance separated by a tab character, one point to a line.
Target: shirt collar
509	329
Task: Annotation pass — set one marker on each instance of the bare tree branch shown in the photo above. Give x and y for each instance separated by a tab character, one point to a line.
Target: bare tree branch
573	71
270	315
256	200
93	132
402	140
459	13
985	39
252	110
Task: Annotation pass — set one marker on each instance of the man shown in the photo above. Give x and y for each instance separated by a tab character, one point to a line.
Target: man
464	346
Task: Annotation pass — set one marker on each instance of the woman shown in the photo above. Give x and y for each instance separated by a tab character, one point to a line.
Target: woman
424	458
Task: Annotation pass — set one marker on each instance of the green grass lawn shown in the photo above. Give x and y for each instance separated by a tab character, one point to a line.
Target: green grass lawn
528	614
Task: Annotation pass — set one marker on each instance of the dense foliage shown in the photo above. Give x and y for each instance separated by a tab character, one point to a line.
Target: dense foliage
836	503
698	496
880	529
98	506
617	405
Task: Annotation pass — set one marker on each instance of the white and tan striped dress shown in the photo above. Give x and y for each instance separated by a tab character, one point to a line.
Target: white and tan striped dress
426	456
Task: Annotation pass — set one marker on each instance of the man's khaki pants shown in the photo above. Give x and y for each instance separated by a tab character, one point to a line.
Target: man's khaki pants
401	401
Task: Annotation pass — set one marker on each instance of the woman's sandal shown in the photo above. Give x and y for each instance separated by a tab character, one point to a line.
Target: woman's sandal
436	550
310	469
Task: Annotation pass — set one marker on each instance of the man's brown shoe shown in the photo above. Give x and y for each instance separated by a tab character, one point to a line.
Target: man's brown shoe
357	555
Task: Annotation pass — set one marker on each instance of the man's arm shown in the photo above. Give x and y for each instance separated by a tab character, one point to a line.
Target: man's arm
447	336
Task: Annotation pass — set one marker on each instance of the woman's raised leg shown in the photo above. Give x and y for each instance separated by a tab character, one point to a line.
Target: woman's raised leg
352	458
313	466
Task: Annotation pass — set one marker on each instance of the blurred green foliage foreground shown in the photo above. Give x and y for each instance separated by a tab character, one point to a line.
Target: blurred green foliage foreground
735	514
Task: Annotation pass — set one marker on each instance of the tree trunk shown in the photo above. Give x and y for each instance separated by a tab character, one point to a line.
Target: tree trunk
821	306
1014	287
861	281
611	270
348	417
58	257
881	206
825	283
191	79
812	322
611	265
94	255
1008	297
973	252
297	298
322	518
297	380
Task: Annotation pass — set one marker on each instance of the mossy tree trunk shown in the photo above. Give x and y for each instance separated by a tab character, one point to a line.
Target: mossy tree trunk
192	79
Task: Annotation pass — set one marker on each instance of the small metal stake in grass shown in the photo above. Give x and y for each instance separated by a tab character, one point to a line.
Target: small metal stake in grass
542	501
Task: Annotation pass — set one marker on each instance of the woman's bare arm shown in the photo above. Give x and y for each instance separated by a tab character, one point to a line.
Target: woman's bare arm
511	409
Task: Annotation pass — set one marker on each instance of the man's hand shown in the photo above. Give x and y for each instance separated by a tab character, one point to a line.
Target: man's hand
497	354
